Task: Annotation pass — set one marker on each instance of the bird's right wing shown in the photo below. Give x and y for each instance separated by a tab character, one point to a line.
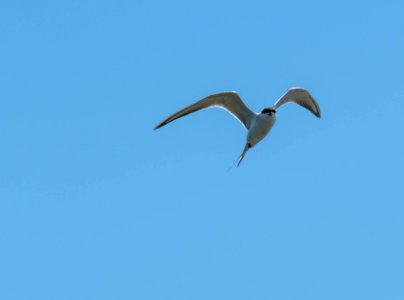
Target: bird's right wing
229	101
301	97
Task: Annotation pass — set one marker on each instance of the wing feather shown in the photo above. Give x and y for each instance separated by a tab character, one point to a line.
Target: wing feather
229	101
301	97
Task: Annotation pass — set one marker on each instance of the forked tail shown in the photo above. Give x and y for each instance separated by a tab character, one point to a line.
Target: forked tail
246	148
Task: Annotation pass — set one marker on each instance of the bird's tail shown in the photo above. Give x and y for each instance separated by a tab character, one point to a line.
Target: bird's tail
246	148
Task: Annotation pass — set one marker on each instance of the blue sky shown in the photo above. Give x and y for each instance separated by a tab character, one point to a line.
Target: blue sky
94	204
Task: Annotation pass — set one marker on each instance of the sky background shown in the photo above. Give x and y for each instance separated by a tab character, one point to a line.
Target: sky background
94	204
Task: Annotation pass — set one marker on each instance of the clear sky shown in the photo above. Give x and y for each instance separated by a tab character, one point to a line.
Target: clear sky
94	204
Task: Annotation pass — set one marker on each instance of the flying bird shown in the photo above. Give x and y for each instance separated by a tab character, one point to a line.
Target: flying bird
257	124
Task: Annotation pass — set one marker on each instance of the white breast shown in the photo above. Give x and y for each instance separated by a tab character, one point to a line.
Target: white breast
260	128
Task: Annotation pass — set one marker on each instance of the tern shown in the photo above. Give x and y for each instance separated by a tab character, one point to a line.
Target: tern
257	125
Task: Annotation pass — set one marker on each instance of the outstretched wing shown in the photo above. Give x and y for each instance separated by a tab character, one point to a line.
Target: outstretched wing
301	97
229	101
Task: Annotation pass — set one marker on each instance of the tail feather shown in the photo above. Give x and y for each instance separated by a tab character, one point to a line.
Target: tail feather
246	148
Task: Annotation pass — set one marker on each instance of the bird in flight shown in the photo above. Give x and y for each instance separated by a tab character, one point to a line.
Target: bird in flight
257	124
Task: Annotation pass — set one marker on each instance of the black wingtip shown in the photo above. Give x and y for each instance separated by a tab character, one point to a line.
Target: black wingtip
160	125
316	111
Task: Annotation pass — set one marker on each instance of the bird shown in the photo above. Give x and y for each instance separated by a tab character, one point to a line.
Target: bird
257	125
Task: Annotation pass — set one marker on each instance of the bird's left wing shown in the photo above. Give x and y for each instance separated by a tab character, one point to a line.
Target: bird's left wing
301	97
229	101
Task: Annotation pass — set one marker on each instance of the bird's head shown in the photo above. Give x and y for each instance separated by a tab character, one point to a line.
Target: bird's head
268	111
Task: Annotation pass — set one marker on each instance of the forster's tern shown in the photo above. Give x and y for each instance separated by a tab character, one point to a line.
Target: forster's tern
257	124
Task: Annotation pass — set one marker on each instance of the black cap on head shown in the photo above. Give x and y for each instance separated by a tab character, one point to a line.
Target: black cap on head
268	111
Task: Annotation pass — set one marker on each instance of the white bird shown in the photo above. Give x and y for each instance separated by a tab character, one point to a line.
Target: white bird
257	124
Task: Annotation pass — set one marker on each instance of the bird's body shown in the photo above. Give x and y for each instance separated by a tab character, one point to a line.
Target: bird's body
257	125
260	127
